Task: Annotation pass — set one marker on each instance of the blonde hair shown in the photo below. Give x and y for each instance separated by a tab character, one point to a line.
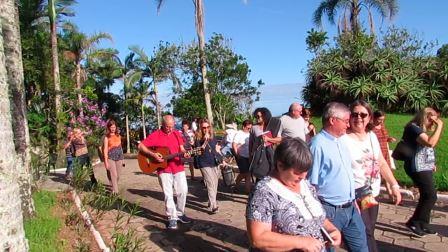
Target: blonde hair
421	118
199	135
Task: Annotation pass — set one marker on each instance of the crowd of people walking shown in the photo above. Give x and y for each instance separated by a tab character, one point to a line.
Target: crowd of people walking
309	190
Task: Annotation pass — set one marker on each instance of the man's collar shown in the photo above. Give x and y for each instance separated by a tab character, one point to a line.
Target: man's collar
329	136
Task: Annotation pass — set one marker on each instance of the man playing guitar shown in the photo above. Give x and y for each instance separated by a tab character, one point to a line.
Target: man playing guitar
173	176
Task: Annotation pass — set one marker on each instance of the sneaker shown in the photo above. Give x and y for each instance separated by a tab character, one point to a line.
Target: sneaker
429	231
184	219
415	230
172	224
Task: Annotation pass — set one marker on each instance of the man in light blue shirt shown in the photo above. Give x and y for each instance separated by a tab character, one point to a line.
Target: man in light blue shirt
332	175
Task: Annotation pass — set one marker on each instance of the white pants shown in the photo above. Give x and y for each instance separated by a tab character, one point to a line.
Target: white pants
178	182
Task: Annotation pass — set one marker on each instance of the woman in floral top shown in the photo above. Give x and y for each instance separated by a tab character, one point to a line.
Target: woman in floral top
367	164
283	212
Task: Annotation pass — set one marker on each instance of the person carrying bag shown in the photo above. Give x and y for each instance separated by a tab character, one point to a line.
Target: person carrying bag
262	138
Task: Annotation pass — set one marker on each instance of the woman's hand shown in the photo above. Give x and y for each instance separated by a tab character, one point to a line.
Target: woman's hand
336	236
311	244
391	139
396	195
106	164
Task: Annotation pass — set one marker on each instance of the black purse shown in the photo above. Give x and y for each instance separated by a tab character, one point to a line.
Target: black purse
402	151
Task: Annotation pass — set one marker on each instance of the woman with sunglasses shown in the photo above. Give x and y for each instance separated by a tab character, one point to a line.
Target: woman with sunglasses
421	166
368	166
207	162
263	136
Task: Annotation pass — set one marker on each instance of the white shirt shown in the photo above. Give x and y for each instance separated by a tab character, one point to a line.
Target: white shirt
292	127
242	138
365	160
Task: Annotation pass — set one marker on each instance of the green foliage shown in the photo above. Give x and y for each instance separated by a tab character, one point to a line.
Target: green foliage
396	75
42	230
232	93
316	40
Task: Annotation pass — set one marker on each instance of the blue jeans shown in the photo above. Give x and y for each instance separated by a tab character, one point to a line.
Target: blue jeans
69	170
349	222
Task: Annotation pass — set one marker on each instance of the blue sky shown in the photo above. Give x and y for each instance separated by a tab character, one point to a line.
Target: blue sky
269	34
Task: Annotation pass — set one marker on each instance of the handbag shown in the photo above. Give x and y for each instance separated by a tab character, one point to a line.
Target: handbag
262	161
402	151
364	195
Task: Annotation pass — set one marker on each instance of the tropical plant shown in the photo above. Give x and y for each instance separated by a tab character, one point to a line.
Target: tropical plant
81	47
397	75
386	8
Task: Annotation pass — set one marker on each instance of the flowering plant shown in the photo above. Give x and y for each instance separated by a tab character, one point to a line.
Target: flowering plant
89	118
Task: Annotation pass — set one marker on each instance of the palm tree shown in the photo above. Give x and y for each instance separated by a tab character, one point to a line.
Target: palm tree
386	8
79	48
199	21
14	67
11	219
160	67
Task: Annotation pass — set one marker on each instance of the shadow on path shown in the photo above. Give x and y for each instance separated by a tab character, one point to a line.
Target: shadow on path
193	236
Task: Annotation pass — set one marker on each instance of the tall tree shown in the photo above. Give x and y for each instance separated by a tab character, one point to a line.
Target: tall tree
199	22
12	234
14	67
386	8
79	48
158	68
232	91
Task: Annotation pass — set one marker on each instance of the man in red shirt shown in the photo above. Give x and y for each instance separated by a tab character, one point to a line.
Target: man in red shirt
173	176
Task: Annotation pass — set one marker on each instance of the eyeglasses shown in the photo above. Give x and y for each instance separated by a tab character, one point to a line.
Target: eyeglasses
346	121
360	114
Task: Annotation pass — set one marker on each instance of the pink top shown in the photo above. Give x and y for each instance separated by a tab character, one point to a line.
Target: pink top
173	141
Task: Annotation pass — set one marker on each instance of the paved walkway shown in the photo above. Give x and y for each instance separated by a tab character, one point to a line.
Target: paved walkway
226	231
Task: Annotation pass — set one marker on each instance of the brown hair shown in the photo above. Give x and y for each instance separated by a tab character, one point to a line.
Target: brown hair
109	124
364	104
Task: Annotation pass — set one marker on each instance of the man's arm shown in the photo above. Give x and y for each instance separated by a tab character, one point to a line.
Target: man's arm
157	156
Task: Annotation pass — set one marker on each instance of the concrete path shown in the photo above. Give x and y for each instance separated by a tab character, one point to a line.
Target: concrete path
226	230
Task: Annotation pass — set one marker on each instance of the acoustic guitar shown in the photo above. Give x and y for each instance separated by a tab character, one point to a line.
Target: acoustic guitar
148	164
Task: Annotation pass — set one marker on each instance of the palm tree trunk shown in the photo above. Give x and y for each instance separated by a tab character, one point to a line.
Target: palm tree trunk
57	83
14	67
199	14
354	16
158	107
12	237
78	81
125	96
128	141
143	121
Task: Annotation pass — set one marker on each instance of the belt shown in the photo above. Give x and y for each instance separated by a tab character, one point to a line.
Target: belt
345	205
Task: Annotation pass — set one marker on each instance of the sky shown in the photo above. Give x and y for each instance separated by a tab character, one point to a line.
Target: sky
269	34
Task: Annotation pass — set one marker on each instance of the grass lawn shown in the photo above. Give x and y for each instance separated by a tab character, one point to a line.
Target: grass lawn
42	231
395	124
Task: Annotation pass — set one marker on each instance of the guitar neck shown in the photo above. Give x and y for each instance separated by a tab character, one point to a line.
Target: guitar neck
178	154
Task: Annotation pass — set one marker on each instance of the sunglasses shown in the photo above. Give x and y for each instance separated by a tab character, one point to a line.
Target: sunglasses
356	115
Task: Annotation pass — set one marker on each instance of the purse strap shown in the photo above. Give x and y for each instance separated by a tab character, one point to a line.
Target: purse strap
369	181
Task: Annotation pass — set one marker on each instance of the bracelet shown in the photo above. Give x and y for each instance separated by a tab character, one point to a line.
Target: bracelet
396	186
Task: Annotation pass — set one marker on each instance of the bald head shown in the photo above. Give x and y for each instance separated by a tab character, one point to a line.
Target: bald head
295	110
167	123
